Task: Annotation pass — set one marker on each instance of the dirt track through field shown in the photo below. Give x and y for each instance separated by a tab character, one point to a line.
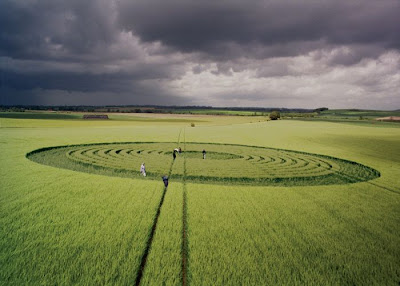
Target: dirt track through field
154	227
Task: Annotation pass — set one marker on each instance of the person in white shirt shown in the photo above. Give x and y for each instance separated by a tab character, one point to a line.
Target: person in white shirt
143	170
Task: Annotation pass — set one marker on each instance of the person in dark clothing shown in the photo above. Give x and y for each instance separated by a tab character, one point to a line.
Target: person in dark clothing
204	154
174	154
165	180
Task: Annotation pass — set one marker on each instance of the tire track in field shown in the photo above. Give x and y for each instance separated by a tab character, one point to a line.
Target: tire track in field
185	243
153	228
358	179
371	183
385	188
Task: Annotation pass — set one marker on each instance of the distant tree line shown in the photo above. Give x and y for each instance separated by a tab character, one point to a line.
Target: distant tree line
12	108
151	108
273	113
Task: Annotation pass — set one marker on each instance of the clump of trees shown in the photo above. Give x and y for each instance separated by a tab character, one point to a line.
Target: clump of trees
274	115
319	110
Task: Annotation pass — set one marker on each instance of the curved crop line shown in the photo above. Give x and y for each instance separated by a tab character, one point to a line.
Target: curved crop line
284	168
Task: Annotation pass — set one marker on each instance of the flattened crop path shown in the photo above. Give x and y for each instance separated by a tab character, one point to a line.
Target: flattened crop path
224	163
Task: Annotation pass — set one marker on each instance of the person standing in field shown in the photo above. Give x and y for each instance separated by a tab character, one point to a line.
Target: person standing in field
165	180
174	154
143	170
204	154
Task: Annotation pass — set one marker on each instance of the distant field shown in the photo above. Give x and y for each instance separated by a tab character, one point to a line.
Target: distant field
79	116
356	117
62	119
220	112
74	223
358	113
39	115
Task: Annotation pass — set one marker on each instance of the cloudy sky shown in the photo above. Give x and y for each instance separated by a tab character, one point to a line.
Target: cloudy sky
273	53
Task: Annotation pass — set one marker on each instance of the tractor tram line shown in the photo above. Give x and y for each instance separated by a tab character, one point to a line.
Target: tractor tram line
150	240
185	243
153	228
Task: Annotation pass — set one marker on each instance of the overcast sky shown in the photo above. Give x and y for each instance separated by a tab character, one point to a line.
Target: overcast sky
277	53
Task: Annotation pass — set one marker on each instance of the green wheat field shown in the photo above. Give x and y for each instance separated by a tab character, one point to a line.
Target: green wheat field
283	202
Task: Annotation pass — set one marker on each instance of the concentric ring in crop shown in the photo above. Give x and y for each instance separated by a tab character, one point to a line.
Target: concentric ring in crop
224	163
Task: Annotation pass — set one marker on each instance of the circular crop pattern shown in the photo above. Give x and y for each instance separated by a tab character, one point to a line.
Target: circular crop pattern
237	164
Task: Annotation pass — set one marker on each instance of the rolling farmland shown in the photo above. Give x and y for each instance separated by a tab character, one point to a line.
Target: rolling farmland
285	202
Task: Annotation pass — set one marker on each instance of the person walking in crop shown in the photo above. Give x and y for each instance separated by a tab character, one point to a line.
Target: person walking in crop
143	170
165	180
178	150
174	154
204	154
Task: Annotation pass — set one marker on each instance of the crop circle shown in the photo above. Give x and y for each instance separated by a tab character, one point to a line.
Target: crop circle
238	164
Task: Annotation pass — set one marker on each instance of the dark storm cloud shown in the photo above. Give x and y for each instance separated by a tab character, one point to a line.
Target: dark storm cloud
80	78
218	27
31	28
166	52
68	81
145	95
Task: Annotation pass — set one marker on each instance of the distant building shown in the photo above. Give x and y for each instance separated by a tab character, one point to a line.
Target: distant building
95	116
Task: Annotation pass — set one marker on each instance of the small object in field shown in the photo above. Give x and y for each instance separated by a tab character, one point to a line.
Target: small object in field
192	124
143	170
204	154
174	154
165	180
